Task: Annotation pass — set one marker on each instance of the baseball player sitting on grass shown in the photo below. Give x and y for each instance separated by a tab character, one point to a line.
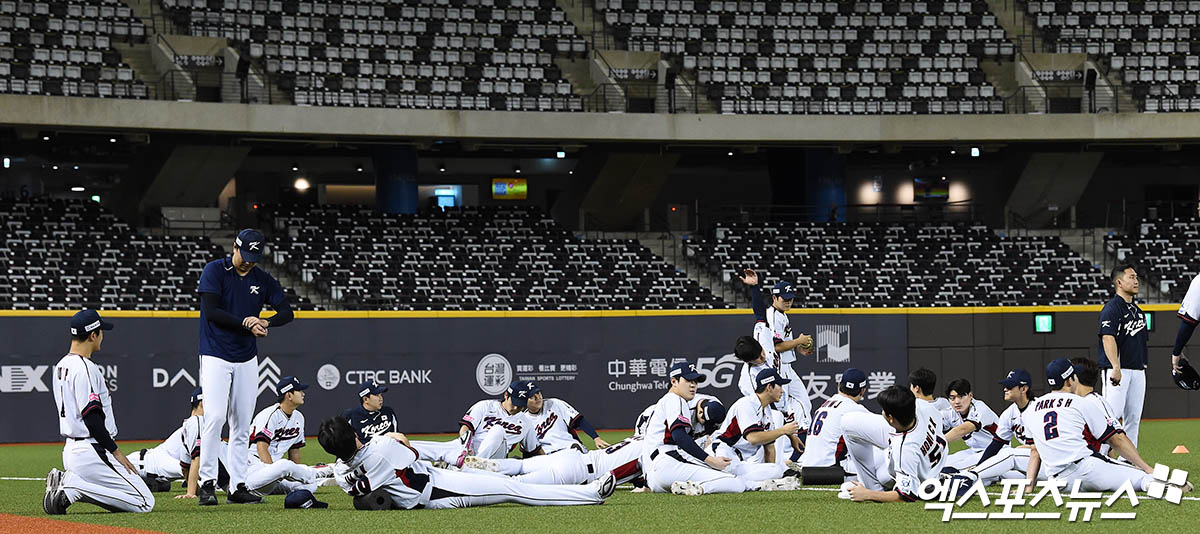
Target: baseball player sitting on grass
490	429
1058	422
276	431
1008	461
915	448
922	382
826	444
177	457
97	472
748	439
707	415
966	409
385	473
371	418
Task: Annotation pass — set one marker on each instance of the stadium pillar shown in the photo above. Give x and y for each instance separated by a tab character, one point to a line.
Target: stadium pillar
395	180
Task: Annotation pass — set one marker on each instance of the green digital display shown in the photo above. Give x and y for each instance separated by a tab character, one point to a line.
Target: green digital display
1043	323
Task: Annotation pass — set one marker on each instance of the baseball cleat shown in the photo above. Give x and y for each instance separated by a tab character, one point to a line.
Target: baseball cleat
793	466
686	487
55	501
324	471
780	484
242	495
482	464
207	494
607	486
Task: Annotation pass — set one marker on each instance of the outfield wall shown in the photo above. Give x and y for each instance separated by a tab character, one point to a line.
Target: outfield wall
610	365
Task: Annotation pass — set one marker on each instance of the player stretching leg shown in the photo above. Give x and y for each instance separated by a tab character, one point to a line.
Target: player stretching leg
232	293
826	444
1008	461
176	457
97	472
916	449
490	429
276	431
967	409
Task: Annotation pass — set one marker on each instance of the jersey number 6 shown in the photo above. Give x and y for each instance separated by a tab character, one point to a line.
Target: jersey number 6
1051	421
818	423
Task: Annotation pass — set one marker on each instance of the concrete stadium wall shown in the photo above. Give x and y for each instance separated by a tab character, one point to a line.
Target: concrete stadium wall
610	365
396	124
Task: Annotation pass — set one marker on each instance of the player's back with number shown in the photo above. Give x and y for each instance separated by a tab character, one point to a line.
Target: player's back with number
920	453
825	445
79	388
1057	424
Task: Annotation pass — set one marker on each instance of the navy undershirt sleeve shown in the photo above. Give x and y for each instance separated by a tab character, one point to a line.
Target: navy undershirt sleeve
283	314
210	304
687	444
1186	329
94	421
583	424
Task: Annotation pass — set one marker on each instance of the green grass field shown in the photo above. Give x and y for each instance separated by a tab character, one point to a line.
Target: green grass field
805	510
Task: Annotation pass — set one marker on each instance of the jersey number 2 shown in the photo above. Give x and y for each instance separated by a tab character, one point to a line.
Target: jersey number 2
818	423
1051	421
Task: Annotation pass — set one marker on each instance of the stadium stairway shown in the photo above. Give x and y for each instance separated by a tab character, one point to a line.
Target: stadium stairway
669	247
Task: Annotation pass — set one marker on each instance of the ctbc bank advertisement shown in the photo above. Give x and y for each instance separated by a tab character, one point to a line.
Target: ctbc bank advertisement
610	368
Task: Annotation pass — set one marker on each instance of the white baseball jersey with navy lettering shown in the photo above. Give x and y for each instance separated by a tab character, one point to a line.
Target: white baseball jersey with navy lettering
643	420
826	445
1189	310
1010	425
747	415
979	415
487	414
918	455
621	458
79	388
184	443
781	330
280	431
1095	405
384	463
552	426
670	412
1058	421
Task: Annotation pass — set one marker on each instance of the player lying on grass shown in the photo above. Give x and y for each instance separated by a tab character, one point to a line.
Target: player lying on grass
911	435
177	457
371	418
277	431
386	473
1009	461
747	437
568	466
966	409
490	429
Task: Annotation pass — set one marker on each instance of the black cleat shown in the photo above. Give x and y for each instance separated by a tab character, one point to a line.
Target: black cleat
207	494
54	501
243	496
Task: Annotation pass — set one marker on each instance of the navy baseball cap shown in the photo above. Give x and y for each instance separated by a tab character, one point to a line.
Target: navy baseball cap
853	381
197	395
86	322
1016	377
251	242
303	499
1058	372
784	290
686	370
714	412
768	376
521	390
371	388
289	383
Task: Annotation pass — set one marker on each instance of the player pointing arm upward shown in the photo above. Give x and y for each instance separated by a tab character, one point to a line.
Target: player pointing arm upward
232	293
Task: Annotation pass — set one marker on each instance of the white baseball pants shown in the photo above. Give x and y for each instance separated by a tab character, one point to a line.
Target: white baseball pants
567	466
158	463
94	476
667	467
1004	464
964	459
1101	473
284	473
230	391
866	436
452	489
1127	399
749	469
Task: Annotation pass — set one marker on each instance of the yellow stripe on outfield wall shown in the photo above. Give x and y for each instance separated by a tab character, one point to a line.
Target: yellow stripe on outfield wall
431	314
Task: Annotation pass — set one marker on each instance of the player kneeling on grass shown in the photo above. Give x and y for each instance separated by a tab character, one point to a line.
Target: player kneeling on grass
176	458
385	474
1059	421
489	429
278	430
747	439
371	418
915	448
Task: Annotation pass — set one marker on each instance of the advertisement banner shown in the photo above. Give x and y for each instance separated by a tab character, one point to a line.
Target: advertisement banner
610	368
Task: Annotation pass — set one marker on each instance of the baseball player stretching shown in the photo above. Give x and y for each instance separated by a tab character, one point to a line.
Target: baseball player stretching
489	430
278	430
622	459
232	293
707	413
916	450
1008	461
826	444
966	409
922	382
97	472
748	440
387	467
176	457
1123	338
1058	421
371	418
1189	314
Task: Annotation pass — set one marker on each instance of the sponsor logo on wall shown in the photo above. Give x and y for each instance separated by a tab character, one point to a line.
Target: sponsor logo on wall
329	376
33	379
650	373
268	376
493	374
833	343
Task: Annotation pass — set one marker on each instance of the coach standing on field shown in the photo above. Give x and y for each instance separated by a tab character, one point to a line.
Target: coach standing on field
1122	358
232	293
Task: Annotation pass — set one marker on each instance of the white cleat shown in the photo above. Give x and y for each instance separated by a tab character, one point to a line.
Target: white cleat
324	471
482	464
780	484
686	487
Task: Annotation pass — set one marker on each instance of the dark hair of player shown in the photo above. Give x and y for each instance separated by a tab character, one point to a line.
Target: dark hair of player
924	379
1086	371
900	403
1119	271
960	386
337	438
747	349
83	337
195	404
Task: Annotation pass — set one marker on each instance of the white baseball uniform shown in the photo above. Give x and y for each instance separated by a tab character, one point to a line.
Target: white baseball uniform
282	433
93	474
777	329
569	466
385	463
882	457
747	415
1008	462
552	427
1058	421
665	464
826	443
984	420
172	458
1095	405
697	431
494	432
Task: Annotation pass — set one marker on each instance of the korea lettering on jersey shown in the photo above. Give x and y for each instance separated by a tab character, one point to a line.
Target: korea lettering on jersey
1058	421
387	464
1094	405
488	414
670	412
79	389
281	432
979	415
745	417
826	444
918	455
553	426
1009	425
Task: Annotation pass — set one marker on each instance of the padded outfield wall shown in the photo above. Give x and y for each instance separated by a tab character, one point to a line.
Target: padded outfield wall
610	365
